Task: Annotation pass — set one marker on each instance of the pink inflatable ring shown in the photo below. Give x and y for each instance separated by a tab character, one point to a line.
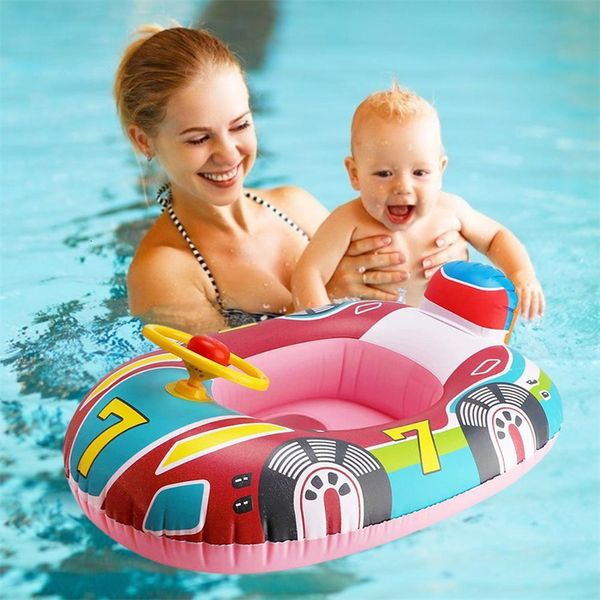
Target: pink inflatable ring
379	419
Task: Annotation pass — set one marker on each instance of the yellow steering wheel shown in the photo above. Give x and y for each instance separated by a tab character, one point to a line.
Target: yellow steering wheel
200	367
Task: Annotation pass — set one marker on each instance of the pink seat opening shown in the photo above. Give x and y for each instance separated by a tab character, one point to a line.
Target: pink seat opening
333	384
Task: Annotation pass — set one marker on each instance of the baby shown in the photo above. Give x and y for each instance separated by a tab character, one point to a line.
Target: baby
397	165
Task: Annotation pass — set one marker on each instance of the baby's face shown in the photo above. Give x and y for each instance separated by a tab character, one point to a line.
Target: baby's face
397	167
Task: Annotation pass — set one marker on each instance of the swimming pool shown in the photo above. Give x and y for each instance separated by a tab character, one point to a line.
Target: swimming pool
516	86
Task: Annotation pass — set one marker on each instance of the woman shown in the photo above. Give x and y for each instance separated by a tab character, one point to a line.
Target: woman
221	254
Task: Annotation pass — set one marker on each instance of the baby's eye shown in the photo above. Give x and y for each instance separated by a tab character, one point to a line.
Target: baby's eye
421	173
197	141
383	173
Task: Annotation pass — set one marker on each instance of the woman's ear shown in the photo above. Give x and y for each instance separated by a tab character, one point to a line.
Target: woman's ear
350	165
140	140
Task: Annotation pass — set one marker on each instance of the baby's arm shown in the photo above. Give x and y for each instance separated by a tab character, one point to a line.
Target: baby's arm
320	259
504	249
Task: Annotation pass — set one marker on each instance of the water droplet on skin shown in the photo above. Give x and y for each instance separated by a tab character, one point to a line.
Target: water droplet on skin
266	284
266	306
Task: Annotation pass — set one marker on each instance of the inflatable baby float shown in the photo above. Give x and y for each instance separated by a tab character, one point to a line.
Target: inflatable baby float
315	435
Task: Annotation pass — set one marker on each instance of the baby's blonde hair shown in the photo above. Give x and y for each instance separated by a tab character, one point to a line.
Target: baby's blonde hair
396	104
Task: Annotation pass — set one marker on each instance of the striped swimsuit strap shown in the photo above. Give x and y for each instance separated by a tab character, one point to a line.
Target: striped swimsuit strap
276	211
163	197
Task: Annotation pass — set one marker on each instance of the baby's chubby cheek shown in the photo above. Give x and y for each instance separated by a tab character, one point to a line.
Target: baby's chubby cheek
378	207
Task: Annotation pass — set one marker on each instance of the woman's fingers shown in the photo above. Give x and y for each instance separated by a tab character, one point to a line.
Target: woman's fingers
384	277
372	293
452	246
438	259
368	262
447	239
354	276
369	245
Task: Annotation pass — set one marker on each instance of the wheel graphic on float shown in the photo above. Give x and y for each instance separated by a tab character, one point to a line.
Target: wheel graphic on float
312	487
504	425
327	500
513	435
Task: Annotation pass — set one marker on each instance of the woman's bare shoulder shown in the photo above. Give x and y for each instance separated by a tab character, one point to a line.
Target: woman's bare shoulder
162	243
298	204
161	233
152	255
156	266
162	268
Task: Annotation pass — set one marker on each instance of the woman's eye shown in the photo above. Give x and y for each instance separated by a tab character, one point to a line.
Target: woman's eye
196	141
242	126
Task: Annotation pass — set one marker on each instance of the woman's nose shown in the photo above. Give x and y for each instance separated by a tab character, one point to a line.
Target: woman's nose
225	152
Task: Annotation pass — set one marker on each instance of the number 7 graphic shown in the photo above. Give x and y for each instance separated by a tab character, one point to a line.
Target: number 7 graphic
430	460
129	418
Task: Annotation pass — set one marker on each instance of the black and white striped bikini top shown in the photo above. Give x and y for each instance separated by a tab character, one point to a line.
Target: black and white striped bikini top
234	317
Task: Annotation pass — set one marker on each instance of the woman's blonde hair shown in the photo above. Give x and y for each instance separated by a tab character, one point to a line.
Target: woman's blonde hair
157	64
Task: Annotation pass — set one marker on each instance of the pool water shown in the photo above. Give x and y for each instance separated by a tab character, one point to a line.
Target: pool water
517	88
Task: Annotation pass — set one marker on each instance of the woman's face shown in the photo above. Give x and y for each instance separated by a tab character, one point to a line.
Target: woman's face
206	143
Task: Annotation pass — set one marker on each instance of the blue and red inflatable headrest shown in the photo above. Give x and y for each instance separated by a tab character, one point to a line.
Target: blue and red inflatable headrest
478	293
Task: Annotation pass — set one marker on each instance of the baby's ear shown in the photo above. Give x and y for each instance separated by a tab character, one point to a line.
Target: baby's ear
350	165
443	163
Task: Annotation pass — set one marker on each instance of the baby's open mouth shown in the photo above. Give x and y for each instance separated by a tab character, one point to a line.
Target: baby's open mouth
400	214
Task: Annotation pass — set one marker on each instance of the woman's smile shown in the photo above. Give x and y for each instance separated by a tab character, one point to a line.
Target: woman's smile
223	179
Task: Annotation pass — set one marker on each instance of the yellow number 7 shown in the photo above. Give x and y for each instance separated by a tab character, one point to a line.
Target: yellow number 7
129	418
430	460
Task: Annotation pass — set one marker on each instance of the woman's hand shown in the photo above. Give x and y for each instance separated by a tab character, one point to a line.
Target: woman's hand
358	274
448	246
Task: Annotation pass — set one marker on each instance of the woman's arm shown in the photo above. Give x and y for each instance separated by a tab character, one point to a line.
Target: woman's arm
160	291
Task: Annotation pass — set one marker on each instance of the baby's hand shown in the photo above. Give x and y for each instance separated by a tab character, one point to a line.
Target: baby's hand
531	295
